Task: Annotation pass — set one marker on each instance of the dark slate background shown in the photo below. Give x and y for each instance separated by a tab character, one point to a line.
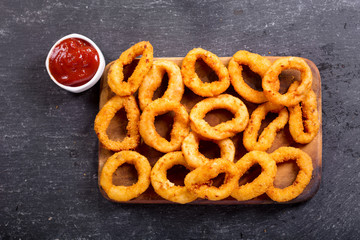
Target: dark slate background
48	149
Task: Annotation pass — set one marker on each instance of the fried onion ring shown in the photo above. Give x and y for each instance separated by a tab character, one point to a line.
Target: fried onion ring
125	193
260	184
108	111
304	118
153	79
257	64
193	157
268	135
199	180
225	129
163	186
180	127
271	82
192	80
116	74
304	162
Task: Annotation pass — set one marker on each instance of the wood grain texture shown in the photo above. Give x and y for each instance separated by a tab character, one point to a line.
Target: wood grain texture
286	172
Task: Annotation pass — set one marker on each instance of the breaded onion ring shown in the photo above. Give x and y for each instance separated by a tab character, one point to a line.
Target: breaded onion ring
304	118
180	127
271	83
163	186
193	157
199	180
125	193
153	79
108	111
260	184
116	74
225	129
192	80
251	140
257	64
304	162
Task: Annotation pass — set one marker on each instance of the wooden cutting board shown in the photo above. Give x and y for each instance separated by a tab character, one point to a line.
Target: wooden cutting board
286	174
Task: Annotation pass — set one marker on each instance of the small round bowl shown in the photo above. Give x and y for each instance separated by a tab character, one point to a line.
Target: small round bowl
92	81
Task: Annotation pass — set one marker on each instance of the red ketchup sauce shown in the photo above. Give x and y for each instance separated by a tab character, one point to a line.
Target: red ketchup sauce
73	62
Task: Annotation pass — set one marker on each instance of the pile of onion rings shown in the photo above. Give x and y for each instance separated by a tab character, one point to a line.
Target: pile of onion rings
190	126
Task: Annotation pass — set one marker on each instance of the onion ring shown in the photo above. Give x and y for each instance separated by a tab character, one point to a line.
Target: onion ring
116	74
193	157
199	181
225	129
180	127
153	79
257	64
163	186
260	184
268	135
125	193
108	111
192	80
304	162
304	131
271	82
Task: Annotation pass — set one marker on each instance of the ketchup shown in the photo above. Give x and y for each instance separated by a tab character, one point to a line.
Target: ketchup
73	62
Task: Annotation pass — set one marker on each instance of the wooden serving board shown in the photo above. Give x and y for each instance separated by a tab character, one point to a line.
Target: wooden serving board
286	174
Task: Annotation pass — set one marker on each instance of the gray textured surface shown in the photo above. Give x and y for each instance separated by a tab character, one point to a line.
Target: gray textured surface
48	149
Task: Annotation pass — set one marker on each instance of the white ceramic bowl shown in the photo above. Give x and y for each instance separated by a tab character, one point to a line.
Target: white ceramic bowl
92	81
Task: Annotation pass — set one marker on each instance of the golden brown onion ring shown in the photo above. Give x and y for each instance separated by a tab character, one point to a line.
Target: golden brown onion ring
271	82
192	80
304	118
304	162
251	140
116	74
193	157
225	129
108	111
125	193
180	127
260	184
199	180
153	79
257	64
163	186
